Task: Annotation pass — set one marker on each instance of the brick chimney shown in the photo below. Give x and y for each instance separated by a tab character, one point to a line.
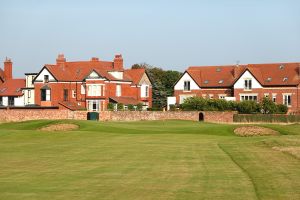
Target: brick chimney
94	59
60	60
8	68
118	62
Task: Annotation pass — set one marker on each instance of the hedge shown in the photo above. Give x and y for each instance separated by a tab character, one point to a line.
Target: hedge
269	118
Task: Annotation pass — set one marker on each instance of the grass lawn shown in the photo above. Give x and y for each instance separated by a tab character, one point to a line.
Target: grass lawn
147	160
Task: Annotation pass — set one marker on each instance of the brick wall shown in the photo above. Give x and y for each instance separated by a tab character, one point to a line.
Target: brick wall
220	117
12	115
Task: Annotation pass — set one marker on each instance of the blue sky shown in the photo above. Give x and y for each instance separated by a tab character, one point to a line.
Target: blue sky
169	34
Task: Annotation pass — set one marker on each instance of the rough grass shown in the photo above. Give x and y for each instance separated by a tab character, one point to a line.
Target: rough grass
146	160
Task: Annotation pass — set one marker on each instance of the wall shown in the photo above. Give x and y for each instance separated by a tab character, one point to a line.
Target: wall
7	115
209	116
10	115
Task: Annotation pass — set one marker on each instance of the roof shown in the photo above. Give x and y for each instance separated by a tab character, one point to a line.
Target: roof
275	74
12	87
135	74
125	100
1	75
78	71
71	105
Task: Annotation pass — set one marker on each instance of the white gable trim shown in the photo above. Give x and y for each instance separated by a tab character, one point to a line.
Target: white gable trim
40	77
186	77
239	84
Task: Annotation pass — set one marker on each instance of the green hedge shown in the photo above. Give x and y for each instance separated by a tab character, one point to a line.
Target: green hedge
269	118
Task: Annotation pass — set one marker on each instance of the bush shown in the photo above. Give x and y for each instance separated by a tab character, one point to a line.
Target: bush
281	108
120	106
139	107
131	107
268	106
282	118
110	106
248	107
172	107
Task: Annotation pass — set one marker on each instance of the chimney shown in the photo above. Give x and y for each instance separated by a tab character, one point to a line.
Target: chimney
8	68
118	62
94	59
60	60
236	69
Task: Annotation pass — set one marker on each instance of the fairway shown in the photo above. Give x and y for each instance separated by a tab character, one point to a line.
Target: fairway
147	160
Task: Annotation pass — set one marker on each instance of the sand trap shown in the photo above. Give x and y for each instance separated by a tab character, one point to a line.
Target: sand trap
295	151
60	127
246	131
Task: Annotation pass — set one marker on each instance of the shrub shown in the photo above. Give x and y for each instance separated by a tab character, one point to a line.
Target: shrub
120	106
139	106
268	106
248	107
110	106
172	107
281	108
131	107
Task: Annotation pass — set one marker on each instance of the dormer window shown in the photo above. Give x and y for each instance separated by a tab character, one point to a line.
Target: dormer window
281	67
285	79
221	81
218	69
206	82
269	79
187	86
248	84
46	78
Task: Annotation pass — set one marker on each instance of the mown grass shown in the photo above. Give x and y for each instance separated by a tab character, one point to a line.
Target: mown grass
146	160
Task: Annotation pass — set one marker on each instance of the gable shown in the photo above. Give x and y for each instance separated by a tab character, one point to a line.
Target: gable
145	80
40	76
239	84
186	77
93	75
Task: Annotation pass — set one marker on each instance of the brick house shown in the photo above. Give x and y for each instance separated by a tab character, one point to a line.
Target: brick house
278	81
91	84
10	88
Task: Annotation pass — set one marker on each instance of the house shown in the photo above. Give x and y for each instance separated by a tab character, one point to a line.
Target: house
91	84
28	90
10	88
278	81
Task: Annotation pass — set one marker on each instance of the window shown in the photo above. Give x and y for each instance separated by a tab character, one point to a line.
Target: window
73	94
11	101
147	91
29	94
248	84
248	97
222	96
93	105
266	95
94	90
66	94
274	98
82	89
46	78
187	86
45	95
211	96
287	100
1	101
182	98
118	90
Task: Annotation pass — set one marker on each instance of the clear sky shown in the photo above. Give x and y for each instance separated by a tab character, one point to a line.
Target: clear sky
169	34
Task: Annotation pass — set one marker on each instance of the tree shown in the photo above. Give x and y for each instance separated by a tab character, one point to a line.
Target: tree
268	106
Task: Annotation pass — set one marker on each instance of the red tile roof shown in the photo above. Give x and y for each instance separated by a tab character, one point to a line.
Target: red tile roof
12	87
71	105
125	100
267	74
78	71
135	74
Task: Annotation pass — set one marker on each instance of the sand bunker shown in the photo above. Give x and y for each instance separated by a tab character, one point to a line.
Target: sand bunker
60	127
246	131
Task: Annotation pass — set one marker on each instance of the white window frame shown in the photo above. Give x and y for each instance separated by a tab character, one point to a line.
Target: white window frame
118	90
74	94
82	88
29	94
274	97
286	99
91	103
48	95
248	84
222	96
249	97
94	90
188	85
